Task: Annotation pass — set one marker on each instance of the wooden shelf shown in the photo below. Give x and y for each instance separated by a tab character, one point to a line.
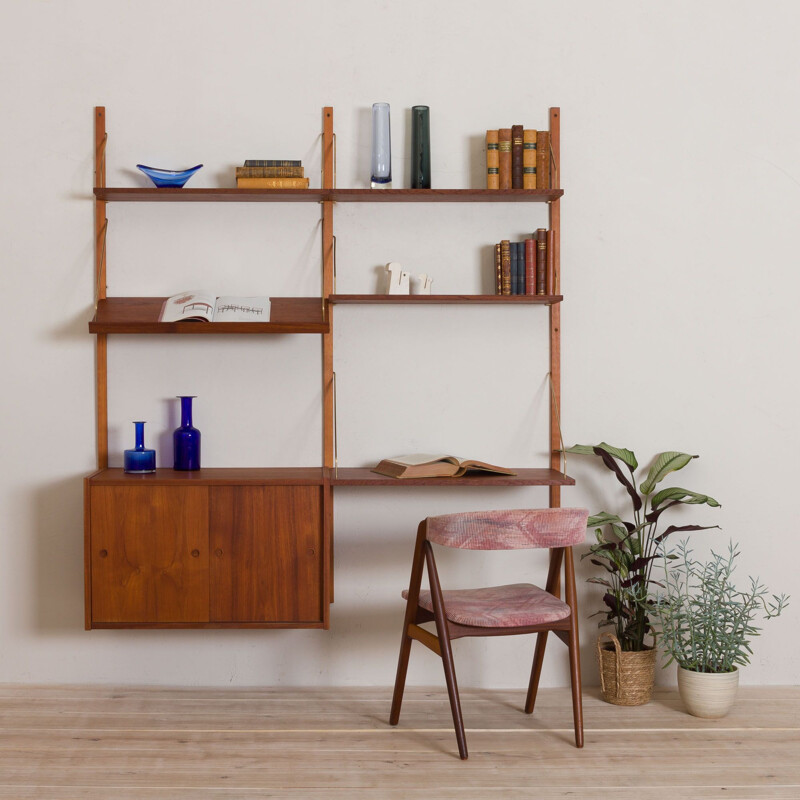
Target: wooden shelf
213	476
140	315
443	299
354	476
153	195
444	195
317	476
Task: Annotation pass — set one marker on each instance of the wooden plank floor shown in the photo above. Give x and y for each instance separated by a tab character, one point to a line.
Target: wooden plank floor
129	743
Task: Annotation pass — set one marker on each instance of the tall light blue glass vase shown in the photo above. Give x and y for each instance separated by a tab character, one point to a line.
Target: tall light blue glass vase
186	439
381	174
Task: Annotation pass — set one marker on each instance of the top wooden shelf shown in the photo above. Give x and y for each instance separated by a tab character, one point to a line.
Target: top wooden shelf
335	195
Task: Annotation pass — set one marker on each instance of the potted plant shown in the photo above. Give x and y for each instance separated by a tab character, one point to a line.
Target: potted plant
706	626
626	550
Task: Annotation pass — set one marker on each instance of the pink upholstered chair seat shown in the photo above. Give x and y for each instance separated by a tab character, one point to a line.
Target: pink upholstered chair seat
510	606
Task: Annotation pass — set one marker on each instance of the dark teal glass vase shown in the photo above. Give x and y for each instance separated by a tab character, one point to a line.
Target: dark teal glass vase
186	439
140	459
420	147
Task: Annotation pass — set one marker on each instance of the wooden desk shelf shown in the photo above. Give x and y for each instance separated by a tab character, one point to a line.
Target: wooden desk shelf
357	476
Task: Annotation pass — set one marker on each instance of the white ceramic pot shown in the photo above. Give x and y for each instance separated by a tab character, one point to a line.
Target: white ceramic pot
709	695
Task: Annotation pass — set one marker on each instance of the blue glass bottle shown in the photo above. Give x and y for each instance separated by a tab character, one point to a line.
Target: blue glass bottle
186	439
381	174
140	459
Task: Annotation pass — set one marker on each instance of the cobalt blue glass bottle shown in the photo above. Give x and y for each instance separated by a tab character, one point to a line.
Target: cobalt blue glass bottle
140	459
186	439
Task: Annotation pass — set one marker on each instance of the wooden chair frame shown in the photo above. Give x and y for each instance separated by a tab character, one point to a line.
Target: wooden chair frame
446	631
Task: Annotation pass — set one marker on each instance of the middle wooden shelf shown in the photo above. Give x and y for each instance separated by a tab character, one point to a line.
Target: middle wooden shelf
141	315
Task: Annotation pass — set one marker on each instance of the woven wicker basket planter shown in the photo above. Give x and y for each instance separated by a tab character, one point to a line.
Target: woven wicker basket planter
626	679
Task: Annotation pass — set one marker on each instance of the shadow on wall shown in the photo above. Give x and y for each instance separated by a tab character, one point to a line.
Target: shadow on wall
57	585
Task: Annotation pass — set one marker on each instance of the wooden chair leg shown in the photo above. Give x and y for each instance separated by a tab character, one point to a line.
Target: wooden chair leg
400	680
417	564
575	680
574	647
452	691
536	671
447	651
552	586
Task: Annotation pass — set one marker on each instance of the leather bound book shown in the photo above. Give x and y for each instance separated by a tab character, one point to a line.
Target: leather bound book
261	162
498	271
529	159
541	261
530	266
505	265
550	287
543	160
516	156
492	161
269	172
504	165
272	183
522	280
512	247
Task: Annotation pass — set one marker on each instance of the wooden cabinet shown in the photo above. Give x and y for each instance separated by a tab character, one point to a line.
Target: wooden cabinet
149	553
170	551
266	554
253	547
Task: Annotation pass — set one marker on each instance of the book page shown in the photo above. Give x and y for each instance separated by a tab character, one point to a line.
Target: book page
416	459
242	309
191	305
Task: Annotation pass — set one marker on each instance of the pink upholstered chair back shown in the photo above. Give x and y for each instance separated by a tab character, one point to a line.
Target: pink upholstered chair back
519	529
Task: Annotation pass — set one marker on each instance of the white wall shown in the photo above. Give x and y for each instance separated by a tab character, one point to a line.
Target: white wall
681	164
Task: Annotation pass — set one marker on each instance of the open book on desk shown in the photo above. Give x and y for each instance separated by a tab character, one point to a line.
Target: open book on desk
426	465
203	307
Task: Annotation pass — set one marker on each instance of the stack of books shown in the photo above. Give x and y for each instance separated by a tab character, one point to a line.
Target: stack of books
268	174
526	267
518	158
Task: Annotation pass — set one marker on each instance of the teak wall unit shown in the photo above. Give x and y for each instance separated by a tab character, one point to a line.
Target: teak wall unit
253	548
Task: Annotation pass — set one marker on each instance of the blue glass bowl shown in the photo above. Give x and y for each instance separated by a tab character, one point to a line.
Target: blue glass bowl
168	178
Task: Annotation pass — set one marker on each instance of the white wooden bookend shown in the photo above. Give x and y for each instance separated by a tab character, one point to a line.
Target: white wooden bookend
421	284
398	279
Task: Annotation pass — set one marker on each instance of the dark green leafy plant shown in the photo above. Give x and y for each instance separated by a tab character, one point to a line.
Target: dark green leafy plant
626	549
706	622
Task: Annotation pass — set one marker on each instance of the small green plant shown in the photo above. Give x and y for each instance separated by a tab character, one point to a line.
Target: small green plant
626	549
706	622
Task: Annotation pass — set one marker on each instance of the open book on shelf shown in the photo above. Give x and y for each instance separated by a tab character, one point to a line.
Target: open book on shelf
202	307
426	465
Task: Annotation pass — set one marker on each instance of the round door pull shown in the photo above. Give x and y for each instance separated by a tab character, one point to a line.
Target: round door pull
312	551
103	553
218	552
195	553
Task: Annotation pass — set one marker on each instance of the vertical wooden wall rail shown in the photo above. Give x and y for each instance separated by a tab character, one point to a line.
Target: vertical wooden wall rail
555	335
555	308
328	421
100	229
327	285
